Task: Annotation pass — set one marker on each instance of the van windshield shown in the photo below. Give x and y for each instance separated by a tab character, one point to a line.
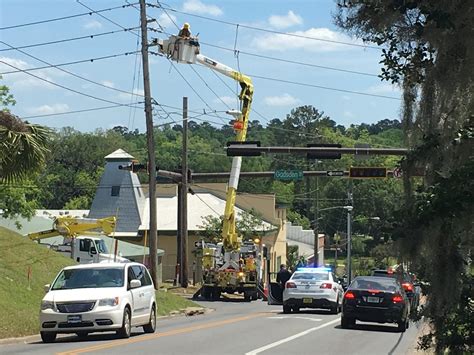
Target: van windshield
89	278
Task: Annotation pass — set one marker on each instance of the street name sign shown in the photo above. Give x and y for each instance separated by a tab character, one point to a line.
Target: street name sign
288	175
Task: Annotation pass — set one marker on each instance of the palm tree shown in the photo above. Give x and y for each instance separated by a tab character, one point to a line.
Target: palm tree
22	147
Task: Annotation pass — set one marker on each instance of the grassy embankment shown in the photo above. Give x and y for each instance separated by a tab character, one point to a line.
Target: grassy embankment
20	299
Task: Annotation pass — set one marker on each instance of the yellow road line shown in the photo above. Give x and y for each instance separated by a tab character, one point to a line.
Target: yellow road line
138	339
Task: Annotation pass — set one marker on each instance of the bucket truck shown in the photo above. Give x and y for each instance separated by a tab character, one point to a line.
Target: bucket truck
76	245
229	266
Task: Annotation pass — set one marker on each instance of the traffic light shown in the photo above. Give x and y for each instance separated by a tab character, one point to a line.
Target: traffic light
367	172
240	151
323	155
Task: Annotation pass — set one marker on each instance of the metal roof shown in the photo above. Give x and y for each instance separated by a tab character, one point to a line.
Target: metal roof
119	154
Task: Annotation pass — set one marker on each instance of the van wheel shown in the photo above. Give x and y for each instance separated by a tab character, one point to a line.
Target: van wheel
347	322
286	309
126	329
151	326
48	337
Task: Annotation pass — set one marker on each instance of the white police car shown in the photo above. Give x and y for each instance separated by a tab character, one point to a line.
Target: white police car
312	288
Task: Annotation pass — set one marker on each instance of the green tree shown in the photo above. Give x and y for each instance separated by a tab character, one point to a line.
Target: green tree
429	52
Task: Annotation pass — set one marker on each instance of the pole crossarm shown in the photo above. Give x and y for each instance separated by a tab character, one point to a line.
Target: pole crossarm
234	150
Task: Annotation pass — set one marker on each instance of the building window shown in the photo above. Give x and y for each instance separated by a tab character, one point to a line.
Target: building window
115	191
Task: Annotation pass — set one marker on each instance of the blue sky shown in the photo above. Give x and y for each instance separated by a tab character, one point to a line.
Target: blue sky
272	99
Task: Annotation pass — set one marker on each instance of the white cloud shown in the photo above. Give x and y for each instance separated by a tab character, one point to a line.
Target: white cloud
282	42
229	100
383	89
199	7
92	25
288	20
282	100
48	109
125	96
22	80
108	83
167	21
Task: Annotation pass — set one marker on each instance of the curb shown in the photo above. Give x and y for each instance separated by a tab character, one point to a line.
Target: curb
186	312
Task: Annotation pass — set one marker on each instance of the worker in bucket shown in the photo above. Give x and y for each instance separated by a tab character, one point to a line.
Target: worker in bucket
185	32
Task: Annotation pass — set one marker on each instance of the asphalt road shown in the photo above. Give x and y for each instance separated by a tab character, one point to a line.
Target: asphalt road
237	327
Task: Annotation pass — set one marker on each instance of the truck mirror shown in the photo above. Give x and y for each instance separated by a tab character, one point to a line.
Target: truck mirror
46	288
93	251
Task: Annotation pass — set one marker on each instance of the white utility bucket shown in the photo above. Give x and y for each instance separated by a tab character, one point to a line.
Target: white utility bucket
181	50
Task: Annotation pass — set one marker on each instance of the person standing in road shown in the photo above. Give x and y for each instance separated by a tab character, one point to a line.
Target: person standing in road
283	276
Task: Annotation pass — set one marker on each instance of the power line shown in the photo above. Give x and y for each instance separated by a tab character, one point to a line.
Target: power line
96	12
289	61
68	63
62	86
68	72
266	30
131	105
323	87
62	18
92	36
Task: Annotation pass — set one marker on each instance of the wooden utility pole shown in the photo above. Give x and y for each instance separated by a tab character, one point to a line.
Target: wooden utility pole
151	147
184	199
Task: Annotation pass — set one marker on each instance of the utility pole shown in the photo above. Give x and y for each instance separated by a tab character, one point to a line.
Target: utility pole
153	245
184	199
349	245
316	225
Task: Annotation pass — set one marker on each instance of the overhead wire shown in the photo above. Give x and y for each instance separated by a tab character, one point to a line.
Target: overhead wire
89	60
62	86
265	29
62	18
92	36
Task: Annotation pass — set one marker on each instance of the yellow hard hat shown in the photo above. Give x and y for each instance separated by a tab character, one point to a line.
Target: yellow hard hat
186	25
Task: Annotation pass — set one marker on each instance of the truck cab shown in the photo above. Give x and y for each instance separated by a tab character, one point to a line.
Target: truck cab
85	250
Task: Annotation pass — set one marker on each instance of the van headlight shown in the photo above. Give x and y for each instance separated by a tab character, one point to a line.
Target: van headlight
47	305
109	302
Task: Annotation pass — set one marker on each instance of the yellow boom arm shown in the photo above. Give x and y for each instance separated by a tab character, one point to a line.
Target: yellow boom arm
68	226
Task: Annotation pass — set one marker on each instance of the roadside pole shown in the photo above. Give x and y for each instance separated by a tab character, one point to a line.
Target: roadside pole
150	145
349	245
184	199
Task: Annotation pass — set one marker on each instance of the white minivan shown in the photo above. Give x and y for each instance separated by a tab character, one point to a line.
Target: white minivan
98	297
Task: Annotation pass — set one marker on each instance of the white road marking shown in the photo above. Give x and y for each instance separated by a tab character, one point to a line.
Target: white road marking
293	337
305	318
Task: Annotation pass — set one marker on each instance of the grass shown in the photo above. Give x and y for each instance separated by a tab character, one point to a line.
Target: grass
20	300
168	302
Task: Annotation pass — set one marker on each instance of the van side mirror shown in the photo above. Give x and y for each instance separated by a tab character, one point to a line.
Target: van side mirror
46	288
135	283
93	251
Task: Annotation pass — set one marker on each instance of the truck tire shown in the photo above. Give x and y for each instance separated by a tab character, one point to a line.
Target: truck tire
286	309
206	292
126	329
216	294
48	337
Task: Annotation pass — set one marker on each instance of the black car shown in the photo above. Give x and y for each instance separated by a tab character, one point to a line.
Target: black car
407	283
375	299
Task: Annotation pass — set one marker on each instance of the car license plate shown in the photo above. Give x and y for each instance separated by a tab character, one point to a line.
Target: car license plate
373	299
307	300
74	319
